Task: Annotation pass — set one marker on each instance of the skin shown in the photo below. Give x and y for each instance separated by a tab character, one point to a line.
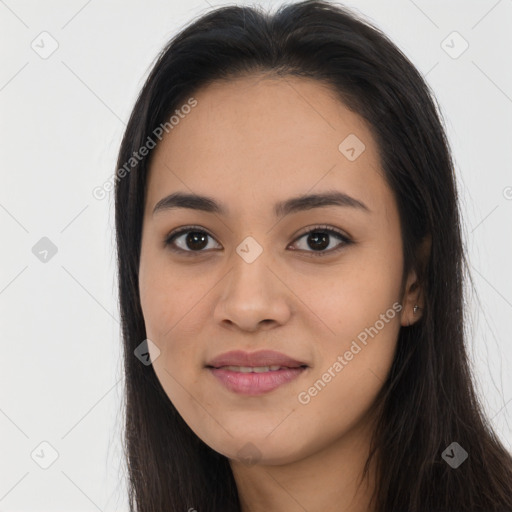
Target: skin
250	143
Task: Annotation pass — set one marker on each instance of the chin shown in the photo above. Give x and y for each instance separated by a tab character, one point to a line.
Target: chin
259	449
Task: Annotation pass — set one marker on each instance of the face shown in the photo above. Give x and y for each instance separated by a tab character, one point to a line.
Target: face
316	281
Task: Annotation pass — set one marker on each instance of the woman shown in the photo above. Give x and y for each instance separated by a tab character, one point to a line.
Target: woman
291	278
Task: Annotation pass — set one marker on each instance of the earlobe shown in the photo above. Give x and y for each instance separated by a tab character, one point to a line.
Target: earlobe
416	313
413	301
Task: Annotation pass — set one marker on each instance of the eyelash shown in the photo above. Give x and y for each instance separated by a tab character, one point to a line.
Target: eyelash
168	242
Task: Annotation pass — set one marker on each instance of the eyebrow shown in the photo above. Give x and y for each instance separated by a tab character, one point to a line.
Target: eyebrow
282	208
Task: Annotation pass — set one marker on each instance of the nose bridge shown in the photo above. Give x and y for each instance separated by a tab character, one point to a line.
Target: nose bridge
251	292
250	275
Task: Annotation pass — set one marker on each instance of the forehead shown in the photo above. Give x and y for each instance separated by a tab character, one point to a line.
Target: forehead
256	137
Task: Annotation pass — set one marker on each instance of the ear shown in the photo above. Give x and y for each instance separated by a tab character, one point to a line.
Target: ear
414	287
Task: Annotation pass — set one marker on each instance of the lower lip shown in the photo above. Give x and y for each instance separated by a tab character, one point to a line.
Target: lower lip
255	383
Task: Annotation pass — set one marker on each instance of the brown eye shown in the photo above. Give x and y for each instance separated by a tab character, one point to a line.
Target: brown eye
190	240
319	238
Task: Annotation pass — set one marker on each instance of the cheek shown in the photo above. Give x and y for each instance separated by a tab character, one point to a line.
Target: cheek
175	309
168	297
347	381
342	300
359	304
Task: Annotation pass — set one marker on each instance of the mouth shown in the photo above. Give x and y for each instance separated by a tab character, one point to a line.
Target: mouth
255	373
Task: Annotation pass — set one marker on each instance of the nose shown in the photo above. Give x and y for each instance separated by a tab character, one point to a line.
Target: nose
253	297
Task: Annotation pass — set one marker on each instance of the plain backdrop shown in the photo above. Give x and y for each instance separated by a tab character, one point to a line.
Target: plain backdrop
62	119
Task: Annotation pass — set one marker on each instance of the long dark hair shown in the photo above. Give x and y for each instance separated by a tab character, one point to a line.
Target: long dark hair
428	400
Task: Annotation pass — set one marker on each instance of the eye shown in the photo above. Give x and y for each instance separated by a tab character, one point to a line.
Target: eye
196	239
318	237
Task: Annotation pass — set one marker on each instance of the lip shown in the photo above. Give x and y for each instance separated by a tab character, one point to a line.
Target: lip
255	383
259	358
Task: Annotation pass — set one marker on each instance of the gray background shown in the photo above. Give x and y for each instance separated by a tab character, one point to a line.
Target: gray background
62	118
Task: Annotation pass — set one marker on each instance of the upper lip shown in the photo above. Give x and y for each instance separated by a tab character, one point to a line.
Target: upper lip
260	358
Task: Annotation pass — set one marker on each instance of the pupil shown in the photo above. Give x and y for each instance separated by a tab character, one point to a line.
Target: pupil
315	237
194	237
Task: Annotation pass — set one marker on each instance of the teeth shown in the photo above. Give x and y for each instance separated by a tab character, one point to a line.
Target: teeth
252	369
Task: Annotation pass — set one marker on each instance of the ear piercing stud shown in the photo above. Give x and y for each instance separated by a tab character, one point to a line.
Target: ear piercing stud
415	308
